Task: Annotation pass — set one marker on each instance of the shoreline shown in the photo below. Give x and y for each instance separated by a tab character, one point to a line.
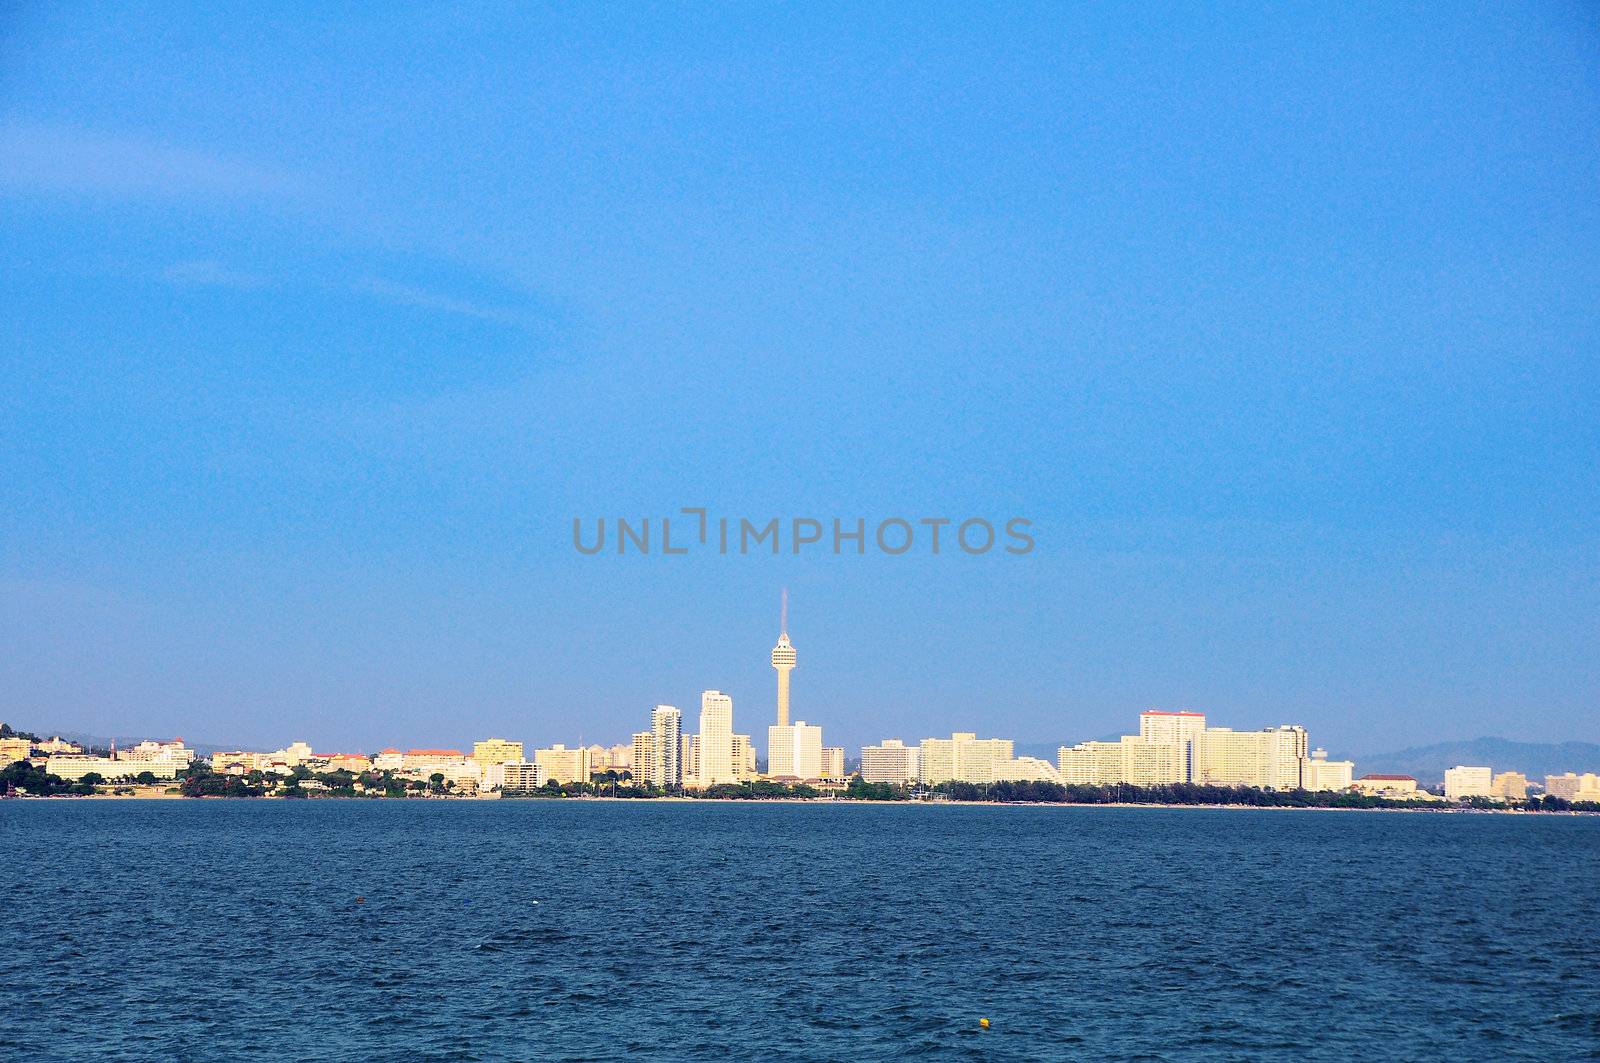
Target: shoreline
815	802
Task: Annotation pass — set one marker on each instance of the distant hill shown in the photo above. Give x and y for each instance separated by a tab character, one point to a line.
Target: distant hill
89	741
1427	764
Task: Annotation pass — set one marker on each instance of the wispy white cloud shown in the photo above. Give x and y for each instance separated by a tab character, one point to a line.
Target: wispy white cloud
57	159
427	299
211	273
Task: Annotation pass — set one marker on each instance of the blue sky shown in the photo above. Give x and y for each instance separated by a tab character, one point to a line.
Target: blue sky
321	327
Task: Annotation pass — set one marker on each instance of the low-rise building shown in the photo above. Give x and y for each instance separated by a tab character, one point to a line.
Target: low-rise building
238	762
74	766
426	762
14	749
355	763
1029	769
1398	786
1320	773
150	751
511	776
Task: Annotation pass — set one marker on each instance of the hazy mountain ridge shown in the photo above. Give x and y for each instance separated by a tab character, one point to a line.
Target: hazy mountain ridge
1534	759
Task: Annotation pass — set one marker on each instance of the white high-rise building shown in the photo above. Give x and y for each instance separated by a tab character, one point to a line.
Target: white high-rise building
744	757
666	763
794	750
1573	787
1179	729
1462	782
716	740
1131	759
642	757
963	757
1270	760
890	761
832	763
559	764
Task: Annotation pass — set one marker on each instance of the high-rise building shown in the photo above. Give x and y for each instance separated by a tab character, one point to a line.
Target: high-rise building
963	757
715	761
794	750
642	757
1462	781
689	759
496	751
666	764
1573	787
890	761
1512	785
1132	760
1178	729
744	757
783	659
1269	760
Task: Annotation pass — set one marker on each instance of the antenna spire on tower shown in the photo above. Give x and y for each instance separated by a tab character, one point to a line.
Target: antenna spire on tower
783	615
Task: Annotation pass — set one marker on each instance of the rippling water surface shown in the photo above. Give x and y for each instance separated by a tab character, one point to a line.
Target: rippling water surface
541	930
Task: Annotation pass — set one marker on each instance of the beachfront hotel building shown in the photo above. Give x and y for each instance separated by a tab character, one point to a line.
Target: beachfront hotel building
794	751
1269	759
511	776
1463	781
73	767
963	757
890	761
1387	785
1132	759
14	749
1320	773
559	764
496	751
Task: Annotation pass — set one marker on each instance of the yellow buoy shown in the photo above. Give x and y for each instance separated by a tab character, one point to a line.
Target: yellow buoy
984	1023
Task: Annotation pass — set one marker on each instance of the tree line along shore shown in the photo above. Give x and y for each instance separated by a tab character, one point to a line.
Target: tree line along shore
198	781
